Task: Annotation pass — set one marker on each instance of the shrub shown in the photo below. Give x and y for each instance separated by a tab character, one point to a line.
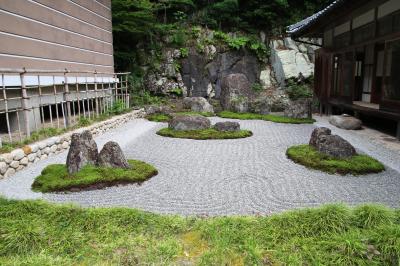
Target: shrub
298	90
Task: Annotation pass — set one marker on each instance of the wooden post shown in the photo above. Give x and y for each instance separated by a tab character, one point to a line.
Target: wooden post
67	116
95	94
398	130
6	107
24	105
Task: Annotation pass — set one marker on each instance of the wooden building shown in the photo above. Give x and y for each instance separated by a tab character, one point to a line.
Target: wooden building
357	68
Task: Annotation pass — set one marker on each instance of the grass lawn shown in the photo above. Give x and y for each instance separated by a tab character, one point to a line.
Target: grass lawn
56	178
166	118
356	165
272	118
204	134
39	233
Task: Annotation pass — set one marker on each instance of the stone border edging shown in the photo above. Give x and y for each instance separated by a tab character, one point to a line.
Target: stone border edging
23	157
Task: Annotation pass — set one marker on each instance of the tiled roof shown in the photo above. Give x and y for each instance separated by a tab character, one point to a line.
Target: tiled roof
299	26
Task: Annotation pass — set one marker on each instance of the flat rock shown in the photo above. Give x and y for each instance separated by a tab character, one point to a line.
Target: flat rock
112	156
227	126
189	122
83	151
345	122
335	146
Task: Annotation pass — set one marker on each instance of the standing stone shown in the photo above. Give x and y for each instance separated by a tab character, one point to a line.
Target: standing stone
189	122
235	92
112	156
317	133
299	109
83	151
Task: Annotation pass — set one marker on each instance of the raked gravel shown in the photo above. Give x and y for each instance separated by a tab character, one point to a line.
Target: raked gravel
225	177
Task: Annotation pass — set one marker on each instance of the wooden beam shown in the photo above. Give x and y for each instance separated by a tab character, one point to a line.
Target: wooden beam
398	130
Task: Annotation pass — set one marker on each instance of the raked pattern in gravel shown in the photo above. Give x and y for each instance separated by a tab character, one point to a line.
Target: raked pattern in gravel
224	177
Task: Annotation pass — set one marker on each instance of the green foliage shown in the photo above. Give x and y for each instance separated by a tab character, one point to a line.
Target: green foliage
205	114
184	52
204	134
257	87
84	122
118	107
298	90
176	91
141	98
269	117
55	177
356	165
40	233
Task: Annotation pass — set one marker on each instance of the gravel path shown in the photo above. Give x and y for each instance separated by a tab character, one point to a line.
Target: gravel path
225	177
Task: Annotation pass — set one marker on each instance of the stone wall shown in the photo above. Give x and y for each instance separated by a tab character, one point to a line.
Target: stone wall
18	159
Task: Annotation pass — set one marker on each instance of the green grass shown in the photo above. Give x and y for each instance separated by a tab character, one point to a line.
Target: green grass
56	178
204	134
158	117
356	165
269	117
205	114
39	233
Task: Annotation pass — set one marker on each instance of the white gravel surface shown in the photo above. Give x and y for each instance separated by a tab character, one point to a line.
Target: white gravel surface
225	177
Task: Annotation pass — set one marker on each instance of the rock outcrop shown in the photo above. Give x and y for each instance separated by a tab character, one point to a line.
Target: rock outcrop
83	151
112	156
227	126
345	122
331	145
189	122
198	104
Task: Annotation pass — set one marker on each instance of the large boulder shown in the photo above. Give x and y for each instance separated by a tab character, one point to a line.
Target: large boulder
112	156
345	122
227	126
335	146
154	109
299	109
235	92
83	151
198	104
317	133
189	122
331	145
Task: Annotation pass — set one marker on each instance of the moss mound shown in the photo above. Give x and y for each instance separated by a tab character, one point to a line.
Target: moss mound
272	118
55	177
166	118
357	165
204	134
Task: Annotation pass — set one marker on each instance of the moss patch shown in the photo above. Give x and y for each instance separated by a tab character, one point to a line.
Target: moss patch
39	233
204	134
269	117
356	165
158	117
205	114
56	178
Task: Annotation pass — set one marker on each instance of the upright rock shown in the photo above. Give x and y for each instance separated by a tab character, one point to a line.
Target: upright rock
235	92
112	156
317	133
83	151
198	104
189	122
299	109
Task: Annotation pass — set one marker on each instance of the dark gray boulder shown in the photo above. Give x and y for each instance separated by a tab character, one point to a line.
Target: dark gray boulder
335	146
227	126
154	109
83	151
198	104
189	122
317	133
345	122
112	156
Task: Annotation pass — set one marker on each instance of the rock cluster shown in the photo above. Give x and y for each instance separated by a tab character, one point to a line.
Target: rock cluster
345	122
18	159
155	109
331	145
198	104
189	122
84	152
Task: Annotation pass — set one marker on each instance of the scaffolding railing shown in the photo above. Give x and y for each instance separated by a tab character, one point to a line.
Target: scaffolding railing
33	99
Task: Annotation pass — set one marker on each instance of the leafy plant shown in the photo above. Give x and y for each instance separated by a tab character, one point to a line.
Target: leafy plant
298	90
184	52
176	91
118	107
256	87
